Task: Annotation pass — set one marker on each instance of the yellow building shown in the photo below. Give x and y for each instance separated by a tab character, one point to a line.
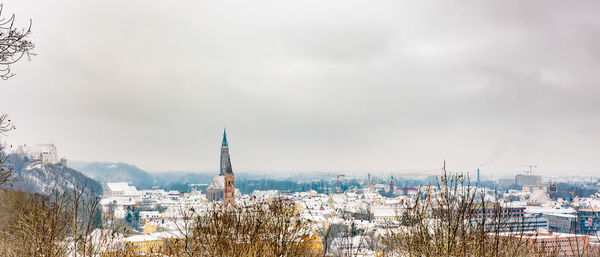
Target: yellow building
315	243
298	208
150	228
144	244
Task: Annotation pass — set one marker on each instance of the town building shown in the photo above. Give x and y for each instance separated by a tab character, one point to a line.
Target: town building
588	221
552	244
561	222
144	244
506	182
528	180
491	211
506	219
121	189
535	188
524	224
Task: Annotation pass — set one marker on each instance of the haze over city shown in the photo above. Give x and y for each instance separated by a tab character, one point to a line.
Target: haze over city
353	86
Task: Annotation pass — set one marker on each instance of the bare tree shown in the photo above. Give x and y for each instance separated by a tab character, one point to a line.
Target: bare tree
38	226
14	44
5	171
461	223
254	229
64	223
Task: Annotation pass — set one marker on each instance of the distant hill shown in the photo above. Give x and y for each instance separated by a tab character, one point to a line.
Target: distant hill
183	177
45	179
104	172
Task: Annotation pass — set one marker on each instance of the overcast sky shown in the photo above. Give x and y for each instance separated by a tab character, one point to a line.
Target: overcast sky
313	85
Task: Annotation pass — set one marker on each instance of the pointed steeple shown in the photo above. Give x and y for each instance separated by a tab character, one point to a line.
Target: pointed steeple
229	170
224	154
224	138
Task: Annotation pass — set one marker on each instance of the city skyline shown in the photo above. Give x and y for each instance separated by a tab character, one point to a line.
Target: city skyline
346	86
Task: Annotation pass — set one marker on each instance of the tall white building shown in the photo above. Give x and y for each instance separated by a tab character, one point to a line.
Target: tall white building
528	180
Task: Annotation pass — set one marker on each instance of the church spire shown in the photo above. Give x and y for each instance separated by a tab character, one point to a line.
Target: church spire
228	170
227	173
224	138
224	155
222	187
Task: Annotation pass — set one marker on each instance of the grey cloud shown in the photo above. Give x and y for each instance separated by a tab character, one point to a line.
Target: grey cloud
312	85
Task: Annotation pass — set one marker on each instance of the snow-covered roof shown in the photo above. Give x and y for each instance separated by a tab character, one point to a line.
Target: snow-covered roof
120	187
384	212
539	196
217	183
142	238
547	235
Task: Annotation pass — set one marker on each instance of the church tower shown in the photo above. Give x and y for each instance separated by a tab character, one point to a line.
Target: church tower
227	172
222	186
224	154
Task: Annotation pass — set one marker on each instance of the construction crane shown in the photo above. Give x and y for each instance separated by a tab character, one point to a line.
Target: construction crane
553	193
443	177
370	184
531	166
443	174
443	180
409	174
414	174
337	178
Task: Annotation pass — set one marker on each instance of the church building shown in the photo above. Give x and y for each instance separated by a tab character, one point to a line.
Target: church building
222	187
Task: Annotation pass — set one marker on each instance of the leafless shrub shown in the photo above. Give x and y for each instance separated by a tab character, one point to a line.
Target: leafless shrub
61	224
451	225
256	229
36	227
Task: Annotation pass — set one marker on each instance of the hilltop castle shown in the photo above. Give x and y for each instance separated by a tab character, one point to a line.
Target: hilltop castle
222	187
43	153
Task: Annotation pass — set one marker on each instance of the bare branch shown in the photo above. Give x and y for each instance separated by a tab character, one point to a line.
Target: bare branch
14	44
